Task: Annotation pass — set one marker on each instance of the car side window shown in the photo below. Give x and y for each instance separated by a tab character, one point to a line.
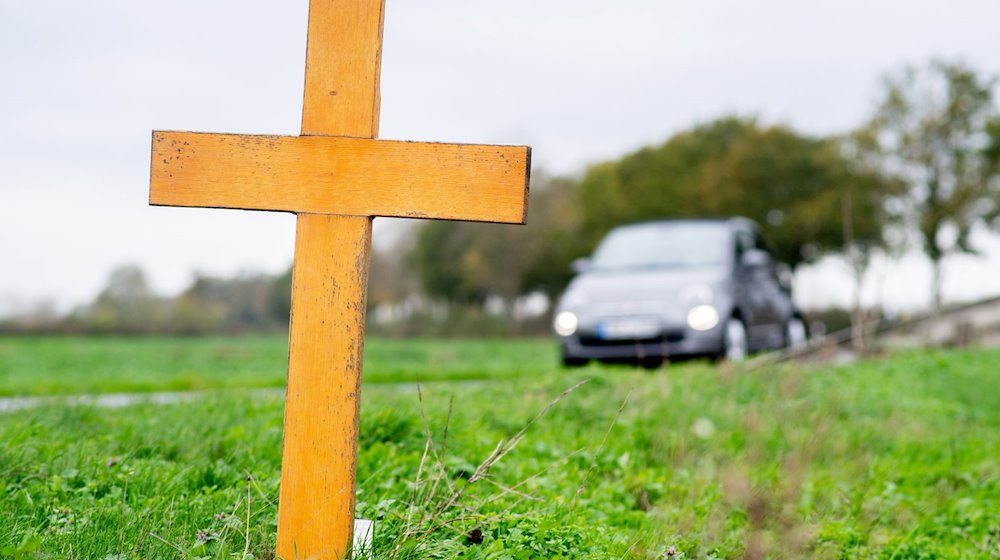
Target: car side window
772	274
744	242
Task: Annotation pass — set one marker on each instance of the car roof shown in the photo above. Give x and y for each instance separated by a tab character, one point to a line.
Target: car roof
734	222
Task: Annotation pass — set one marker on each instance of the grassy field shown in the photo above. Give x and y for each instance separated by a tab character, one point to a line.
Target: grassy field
57	365
895	458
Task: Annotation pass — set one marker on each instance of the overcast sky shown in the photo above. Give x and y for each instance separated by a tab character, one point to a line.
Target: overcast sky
84	83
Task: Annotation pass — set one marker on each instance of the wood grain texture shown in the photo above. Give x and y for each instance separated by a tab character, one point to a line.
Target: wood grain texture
335	175
329	293
343	66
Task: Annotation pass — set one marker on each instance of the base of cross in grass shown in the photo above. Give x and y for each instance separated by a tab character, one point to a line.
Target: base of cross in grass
364	537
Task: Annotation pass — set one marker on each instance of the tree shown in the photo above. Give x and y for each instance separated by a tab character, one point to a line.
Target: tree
552	237
937	129
279	298
654	182
126	304
390	282
467	263
439	259
790	183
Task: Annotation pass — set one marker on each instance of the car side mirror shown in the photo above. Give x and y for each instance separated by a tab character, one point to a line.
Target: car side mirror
580	266
756	258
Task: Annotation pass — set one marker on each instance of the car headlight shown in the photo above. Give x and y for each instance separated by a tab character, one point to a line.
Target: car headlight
565	323
703	317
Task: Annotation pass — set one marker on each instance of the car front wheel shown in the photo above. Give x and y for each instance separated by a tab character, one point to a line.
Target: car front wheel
795	334
573	361
734	341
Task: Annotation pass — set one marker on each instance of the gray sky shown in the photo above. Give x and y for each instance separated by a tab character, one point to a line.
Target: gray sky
84	83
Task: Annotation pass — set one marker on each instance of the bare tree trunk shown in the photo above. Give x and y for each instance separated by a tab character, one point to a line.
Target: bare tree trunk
937	278
858	315
855	260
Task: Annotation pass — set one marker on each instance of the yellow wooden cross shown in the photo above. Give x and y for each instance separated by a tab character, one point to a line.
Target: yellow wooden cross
336	177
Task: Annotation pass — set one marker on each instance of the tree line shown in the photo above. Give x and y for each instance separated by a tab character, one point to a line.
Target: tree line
921	172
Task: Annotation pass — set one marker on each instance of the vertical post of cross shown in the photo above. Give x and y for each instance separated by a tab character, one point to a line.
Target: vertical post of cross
329	289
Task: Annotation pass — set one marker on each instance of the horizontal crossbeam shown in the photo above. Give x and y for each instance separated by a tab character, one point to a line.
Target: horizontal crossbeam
340	175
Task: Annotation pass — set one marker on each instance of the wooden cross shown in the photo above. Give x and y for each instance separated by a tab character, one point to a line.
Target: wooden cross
336	177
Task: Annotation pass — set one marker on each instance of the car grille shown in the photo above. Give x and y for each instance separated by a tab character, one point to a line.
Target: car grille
668	337
617	308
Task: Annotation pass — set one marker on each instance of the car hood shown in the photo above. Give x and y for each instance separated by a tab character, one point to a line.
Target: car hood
665	285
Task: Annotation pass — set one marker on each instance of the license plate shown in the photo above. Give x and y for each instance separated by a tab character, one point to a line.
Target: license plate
628	329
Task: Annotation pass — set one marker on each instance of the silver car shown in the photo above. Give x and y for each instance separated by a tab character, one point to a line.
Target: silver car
677	289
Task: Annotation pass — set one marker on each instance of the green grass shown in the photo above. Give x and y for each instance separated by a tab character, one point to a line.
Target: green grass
74	365
895	458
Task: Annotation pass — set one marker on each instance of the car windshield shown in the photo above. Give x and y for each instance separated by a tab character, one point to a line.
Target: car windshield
663	245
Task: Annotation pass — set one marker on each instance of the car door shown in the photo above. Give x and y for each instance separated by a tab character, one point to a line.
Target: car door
748	297
761	294
779	303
